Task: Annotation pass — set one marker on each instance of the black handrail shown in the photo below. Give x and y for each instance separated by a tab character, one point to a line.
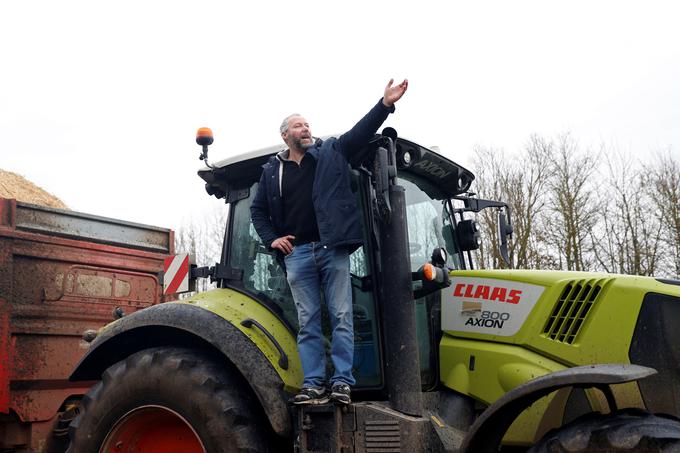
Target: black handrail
283	360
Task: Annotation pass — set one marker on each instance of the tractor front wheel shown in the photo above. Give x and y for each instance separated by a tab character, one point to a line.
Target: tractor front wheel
170	400
629	430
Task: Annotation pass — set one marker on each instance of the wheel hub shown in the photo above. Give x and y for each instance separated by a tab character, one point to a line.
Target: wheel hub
152	429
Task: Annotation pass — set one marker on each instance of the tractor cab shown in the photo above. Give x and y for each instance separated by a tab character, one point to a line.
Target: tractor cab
436	199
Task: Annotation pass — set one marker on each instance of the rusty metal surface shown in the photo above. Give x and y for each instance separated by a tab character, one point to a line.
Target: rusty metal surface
78	225
52	289
33	403
488	430
37	437
7	210
4	356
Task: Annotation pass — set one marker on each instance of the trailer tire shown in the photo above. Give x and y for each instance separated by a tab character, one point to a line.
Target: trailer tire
629	430
169	400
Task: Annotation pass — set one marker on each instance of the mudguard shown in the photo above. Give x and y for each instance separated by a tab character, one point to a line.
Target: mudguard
486	433
182	324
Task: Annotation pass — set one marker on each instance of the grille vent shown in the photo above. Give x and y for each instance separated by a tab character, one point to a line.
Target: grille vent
572	308
382	436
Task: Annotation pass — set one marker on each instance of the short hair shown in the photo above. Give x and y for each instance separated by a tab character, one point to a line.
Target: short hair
284	123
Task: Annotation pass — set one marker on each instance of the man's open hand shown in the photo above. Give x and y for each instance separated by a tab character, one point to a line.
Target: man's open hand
394	93
283	244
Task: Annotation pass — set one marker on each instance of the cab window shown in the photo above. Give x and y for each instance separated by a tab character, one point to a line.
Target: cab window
265	280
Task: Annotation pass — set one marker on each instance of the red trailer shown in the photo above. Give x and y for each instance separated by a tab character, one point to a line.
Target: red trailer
62	274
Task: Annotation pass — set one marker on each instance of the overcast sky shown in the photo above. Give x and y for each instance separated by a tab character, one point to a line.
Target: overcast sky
100	101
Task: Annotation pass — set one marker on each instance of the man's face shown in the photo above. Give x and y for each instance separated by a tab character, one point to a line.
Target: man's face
298	135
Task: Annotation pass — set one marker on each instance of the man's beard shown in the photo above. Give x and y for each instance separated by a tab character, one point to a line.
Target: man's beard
297	143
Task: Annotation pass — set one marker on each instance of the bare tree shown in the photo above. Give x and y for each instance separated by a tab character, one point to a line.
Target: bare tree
489	165
520	182
627	238
572	204
664	183
568	215
202	237
525	193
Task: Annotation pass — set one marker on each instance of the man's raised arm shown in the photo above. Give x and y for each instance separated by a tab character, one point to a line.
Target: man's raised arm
363	131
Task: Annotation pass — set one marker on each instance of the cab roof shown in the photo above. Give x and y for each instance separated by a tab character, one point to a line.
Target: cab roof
435	174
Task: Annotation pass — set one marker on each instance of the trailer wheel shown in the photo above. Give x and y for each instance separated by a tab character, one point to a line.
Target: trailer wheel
168	400
629	430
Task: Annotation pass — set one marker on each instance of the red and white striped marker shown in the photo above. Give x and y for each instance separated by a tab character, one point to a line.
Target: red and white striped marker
176	274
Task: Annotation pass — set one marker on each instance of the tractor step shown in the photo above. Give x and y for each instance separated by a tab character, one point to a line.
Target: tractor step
366	427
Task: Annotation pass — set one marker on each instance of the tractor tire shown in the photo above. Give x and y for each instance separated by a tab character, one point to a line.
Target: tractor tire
170	400
629	430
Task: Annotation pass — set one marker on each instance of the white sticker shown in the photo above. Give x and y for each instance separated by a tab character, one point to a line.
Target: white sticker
487	305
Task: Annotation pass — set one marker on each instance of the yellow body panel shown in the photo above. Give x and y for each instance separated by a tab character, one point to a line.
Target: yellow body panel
501	363
234	307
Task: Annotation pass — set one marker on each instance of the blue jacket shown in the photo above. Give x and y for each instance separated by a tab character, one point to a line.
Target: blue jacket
335	205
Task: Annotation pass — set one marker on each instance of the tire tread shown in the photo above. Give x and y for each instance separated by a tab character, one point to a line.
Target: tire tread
628	430
231	424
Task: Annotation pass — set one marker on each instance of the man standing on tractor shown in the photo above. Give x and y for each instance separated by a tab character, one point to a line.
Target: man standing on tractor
305	210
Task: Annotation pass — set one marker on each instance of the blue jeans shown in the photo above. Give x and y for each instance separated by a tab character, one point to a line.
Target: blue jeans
310	268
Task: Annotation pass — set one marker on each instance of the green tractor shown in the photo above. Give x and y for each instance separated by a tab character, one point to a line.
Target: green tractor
447	358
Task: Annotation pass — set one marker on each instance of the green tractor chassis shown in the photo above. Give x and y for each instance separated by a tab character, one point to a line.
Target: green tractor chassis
447	358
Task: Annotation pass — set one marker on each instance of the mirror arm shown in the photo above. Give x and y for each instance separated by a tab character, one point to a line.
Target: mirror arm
478	204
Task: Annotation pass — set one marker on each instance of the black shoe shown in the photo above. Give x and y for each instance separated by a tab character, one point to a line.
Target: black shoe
311	395
340	393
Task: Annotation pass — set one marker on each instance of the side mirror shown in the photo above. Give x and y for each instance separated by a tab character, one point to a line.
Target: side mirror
467	233
504	232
